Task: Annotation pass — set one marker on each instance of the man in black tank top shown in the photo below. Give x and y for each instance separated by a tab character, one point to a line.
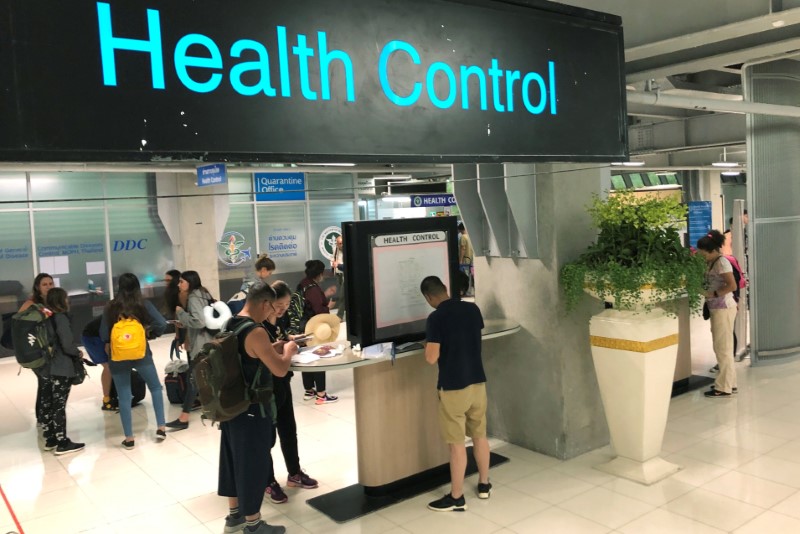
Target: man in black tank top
243	465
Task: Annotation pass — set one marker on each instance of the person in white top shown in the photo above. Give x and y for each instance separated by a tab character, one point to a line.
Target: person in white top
720	286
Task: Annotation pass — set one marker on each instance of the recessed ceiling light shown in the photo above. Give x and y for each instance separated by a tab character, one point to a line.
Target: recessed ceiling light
633	163
730	173
778	23
725	164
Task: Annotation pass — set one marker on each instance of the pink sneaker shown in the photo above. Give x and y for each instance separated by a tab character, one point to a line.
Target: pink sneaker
325	399
301	480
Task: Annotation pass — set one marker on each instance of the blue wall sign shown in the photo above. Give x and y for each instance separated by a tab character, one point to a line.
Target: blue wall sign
213	174
699	221
279	186
432	201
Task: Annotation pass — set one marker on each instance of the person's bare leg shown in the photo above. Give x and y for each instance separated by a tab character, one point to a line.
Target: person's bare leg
480	449
105	380
458	468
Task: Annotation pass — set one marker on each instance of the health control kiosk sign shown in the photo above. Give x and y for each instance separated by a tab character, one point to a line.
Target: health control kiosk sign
291	80
399	263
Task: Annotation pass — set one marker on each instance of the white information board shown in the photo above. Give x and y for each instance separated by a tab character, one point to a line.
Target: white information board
400	263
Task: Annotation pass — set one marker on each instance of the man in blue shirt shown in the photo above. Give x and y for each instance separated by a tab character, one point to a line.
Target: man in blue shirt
453	334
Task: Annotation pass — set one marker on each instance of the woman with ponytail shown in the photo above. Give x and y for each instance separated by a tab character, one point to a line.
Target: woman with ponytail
720	285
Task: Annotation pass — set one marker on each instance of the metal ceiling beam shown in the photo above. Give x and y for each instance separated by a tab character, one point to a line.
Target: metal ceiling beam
787	47
780	19
710	104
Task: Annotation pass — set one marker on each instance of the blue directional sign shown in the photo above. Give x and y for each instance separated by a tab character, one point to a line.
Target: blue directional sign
279	186
213	174
699	220
432	201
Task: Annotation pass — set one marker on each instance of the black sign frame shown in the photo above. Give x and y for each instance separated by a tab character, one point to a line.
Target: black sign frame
56	105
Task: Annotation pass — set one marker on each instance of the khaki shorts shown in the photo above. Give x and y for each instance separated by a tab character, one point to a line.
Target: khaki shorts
462	413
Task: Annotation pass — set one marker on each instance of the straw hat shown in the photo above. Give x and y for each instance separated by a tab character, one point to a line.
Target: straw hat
324	327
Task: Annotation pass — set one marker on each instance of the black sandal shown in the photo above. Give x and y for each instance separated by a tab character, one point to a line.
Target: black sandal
716	394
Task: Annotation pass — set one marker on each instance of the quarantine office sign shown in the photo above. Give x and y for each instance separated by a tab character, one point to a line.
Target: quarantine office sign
310	80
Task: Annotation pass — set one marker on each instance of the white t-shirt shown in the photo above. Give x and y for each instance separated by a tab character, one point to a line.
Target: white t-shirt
715	281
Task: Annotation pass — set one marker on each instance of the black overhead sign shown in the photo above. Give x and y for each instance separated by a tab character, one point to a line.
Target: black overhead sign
309	80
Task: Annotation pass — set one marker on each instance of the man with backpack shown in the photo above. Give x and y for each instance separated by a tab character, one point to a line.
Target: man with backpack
244	464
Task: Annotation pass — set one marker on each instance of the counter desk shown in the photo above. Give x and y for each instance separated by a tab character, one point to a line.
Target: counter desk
397	428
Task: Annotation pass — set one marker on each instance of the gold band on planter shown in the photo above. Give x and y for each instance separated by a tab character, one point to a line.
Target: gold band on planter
634	346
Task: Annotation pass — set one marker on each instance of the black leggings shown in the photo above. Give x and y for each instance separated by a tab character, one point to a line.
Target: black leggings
314	380
286	426
39	394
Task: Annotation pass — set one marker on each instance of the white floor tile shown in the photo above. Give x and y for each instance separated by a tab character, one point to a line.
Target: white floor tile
754	441
551	486
750	489
789	451
506	506
656	494
606	507
714	452
695	472
557	521
774	469
662	521
441	522
770	522
676	441
790	506
713	509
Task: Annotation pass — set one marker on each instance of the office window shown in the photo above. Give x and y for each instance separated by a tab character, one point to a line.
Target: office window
323	216
618	182
636	180
131	188
14	187
16	263
237	250
242	186
140	245
78	189
329	186
282	235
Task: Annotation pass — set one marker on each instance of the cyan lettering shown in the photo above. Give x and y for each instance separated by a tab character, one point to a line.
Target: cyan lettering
303	52
451	80
495	73
109	43
182	61
466	72
383	74
264	84
325	59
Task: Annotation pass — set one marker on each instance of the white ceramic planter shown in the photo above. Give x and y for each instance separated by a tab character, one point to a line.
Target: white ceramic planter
634	356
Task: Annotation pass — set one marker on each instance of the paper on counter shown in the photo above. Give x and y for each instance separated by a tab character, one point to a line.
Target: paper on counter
304	358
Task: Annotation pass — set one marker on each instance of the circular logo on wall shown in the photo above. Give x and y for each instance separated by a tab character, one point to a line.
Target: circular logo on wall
327	241
417	202
230	249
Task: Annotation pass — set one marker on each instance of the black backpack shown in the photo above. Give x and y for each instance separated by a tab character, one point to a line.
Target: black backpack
33	343
298	313
221	385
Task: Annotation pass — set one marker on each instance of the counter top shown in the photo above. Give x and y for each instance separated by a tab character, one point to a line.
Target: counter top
493	328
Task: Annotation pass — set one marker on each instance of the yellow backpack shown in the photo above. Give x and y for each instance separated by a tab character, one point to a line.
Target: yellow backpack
128	340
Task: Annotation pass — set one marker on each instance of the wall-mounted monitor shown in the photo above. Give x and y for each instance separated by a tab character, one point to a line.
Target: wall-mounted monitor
385	261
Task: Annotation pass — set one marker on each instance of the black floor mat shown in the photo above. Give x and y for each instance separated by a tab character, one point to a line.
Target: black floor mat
355	501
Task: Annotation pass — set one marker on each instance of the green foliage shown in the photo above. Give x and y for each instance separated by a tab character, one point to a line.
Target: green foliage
638	246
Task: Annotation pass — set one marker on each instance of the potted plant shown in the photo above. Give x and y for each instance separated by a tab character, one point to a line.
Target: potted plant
638	260
639	264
